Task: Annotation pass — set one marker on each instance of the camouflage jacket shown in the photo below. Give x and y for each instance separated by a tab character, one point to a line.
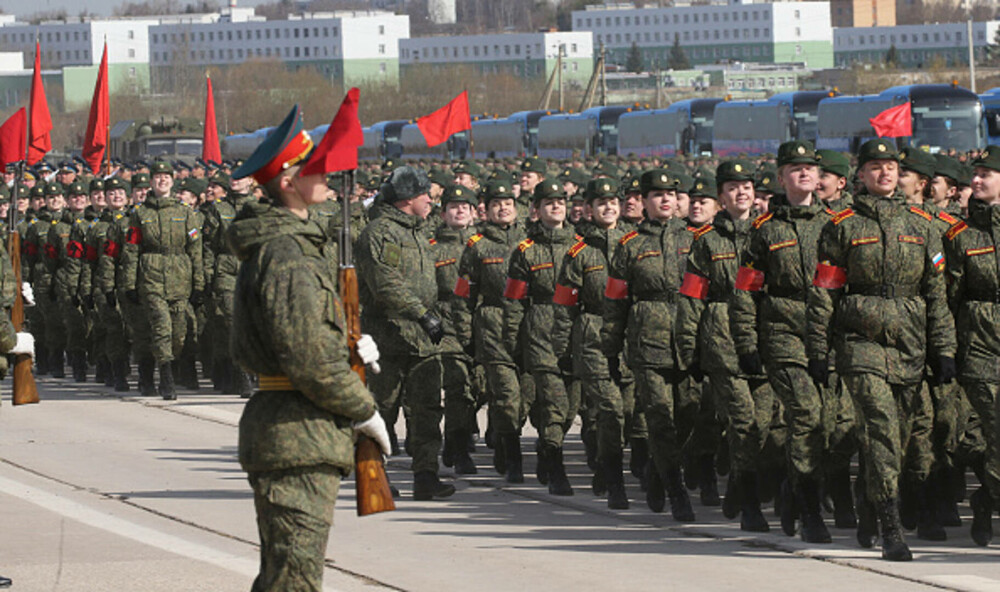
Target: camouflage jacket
288	321
110	274
162	254
878	296
225	264
973	262
477	303
93	243
33	252
768	307
66	253
449	244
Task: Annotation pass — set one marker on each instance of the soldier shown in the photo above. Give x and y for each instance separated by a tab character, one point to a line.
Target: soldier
532	173
632	212
879	282
398	295
101	281
295	440
163	269
68	238
767	314
32	262
477	314
531	283
916	169
55	329
834	170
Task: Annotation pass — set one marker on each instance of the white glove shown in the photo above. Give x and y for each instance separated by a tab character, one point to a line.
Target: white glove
368	352
27	294
26	345
374	428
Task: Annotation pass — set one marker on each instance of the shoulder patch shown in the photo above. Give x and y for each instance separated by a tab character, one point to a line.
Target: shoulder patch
433	241
837	219
830	211
575	249
623	240
947	217
703	231
525	244
475	238
762	219
955	230
921	213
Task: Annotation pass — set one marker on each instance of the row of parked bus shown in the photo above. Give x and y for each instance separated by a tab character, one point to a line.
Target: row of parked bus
944	117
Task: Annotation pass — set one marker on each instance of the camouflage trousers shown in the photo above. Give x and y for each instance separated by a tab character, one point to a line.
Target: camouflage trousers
891	423
137	322
670	413
512	398
55	327
459	401
839	425
294	514
168	324
415	382
605	399
116	343
747	408
985	398
706	433
558	399
950	410
804	410
75	326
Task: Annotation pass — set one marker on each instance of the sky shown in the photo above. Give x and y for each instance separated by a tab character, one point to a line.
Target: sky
74	7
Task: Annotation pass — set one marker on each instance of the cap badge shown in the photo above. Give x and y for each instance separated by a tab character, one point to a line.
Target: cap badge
802	150
738	168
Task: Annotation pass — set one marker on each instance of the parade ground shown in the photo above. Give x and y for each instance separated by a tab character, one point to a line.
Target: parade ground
104	492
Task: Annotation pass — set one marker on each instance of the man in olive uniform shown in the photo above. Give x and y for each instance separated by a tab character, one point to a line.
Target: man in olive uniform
532	173
531	283
55	328
398	293
109	316
879	296
163	269
33	239
69	237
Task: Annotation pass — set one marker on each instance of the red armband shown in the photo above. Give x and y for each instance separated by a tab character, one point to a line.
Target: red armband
616	289
565	295
74	250
515	289
91	253
829	276
112	249
51	252
462	287
30	249
134	235
694	286
749	279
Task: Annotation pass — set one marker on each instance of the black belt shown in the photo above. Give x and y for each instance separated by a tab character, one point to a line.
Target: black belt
668	297
787	292
884	290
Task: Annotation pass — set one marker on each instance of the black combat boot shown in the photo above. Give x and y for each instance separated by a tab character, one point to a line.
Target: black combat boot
57	364
589	438
542	467
867	520
638	458
813	529
788	507
460	453
101	374
612	467
894	548
656	495
188	375
5	582
708	482
838	485
167	389
427	486
219	374
982	517
751	518
945	501
928	527
692	471
147	369
909	494
500	450
447	454
558	481
78	361
731	502
511	445
680	503
120	369
42	359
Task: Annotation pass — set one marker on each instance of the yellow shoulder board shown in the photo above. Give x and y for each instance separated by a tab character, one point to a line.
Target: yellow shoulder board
628	237
523	245
762	218
948	218
921	213
842	216
830	211
955	230
473	239
575	249
703	231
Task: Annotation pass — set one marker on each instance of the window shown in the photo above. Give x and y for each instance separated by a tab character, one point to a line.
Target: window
131	53
381	49
296	32
296	49
382	67
305	32
796	14
229	35
153	37
239	53
211	36
306	50
506	50
798	32
239	35
573	46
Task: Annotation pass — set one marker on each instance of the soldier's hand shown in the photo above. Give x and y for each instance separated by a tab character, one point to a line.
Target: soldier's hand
946	370
615	369
566	365
751	364
27	294
111	299
133	296
374	428
819	371
25	344
432	327
368	352
196	298
88	302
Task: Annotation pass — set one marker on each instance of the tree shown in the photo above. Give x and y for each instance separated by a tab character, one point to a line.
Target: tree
678	59
633	63
993	50
892	56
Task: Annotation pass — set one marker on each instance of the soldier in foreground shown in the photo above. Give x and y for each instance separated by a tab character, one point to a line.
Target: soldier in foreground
295	439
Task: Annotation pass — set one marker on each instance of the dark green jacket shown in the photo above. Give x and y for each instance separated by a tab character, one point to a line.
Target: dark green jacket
162	253
448	246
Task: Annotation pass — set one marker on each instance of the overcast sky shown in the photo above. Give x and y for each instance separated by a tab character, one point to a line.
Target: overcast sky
75	7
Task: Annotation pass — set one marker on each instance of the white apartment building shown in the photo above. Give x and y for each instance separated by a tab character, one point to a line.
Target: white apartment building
916	45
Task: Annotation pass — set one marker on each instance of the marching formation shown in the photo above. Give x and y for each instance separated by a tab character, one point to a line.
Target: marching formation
769	322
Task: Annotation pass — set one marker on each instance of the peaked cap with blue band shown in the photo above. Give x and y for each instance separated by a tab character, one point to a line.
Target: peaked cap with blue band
286	145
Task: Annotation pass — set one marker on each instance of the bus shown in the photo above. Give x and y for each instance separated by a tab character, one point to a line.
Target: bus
528	123
607	126
387	143
651	133
561	134
498	138
169	138
413	145
750	127
804	106
698	117
991	112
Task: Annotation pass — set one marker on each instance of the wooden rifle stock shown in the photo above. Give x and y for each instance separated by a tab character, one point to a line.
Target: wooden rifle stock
25	390
373	493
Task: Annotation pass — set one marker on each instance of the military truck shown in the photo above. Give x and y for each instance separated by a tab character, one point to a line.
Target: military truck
169	138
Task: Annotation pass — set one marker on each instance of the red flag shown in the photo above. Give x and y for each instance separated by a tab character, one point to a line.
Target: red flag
12	134
453	117
96	140
896	122
210	151
41	121
339	149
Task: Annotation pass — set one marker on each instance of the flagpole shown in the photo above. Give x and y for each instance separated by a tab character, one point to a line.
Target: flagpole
472	142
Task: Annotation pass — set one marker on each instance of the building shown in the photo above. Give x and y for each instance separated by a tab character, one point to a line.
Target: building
352	46
532	55
780	32
863	13
916	45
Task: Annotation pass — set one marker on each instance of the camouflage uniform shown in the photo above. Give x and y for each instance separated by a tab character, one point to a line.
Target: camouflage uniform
102	281
69	267
33	271
56	309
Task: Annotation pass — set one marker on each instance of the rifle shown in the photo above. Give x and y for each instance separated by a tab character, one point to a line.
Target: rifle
373	493
24	390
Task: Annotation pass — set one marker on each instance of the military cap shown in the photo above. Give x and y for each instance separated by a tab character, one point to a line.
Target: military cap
66	167
77	188
53	189
11	168
834	162
43	166
499	189
704	186
989	158
440	177
140	181
965	174
533	164
632	185
654	179
117	183
21	191
194	185
918	161
547	188
96	185
4	190
374	182
221	179
600	189
796	152
38	191
405	182
161	167
947	167
684	181
766	181
286	145
199	163
181	165
389	165
674	166
360	177
460	193
877	149
606	168
734	170
469	168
